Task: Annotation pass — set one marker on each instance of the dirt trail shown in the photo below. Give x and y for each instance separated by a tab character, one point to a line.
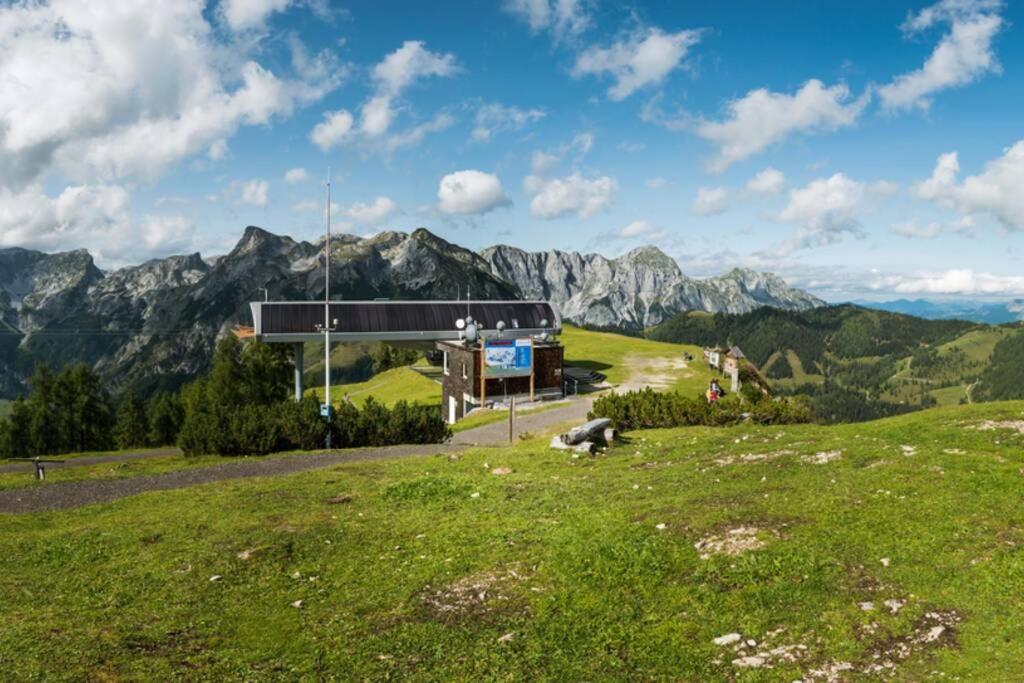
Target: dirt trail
656	373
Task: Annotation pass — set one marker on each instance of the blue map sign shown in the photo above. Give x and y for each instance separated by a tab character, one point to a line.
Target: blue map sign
508	357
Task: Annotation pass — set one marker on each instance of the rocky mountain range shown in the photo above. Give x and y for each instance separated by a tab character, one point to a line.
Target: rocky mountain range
155	325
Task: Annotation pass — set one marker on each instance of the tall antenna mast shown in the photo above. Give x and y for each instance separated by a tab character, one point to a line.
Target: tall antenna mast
327	311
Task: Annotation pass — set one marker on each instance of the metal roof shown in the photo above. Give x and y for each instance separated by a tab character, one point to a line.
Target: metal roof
296	321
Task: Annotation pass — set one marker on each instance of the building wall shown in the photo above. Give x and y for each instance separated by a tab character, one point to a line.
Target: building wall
547	367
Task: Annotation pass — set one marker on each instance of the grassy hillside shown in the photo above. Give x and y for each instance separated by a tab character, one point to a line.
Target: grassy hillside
875	363
5	407
847	551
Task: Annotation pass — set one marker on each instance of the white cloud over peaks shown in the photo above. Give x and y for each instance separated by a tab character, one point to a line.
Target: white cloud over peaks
956	281
824	210
710	200
996	190
912	229
333	130
128	88
643	58
97	217
762	118
635	229
248	14
496	118
470	192
294	176
563	18
768	181
400	69
374	213
572	195
255	192
962	56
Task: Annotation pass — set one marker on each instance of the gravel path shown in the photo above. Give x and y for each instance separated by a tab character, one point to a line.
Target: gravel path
85	460
73	494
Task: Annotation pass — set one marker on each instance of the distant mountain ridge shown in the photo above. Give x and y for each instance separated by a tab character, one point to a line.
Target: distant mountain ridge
989	312
155	324
637	290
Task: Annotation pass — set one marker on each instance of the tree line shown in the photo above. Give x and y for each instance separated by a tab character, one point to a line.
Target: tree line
242	406
70	412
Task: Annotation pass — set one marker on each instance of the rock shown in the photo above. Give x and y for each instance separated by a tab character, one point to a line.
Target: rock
501	471
727	639
556	442
585	448
297	604
867	606
749	662
475	494
587	431
342	499
661	527
885	561
507	638
215	578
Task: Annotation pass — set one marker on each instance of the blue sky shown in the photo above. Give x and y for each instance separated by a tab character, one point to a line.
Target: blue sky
860	149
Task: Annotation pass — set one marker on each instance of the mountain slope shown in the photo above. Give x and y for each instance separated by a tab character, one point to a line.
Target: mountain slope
637	290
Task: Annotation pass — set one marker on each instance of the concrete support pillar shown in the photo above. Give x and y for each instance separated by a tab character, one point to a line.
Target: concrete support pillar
299	364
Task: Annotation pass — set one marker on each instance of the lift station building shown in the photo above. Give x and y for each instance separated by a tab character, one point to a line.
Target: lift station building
509	350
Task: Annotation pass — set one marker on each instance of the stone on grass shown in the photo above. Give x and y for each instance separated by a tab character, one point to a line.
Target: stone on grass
501	470
216	577
340	499
507	638
727	639
297	604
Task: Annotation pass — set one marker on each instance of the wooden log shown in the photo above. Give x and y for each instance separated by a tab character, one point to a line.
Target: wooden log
584	432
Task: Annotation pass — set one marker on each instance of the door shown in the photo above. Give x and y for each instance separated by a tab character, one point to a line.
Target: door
451	410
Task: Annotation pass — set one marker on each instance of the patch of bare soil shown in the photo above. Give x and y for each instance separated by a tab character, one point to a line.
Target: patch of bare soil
750	457
993	425
822	457
733	542
656	373
476	595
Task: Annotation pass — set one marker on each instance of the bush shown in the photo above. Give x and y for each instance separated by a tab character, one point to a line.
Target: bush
237	410
648	409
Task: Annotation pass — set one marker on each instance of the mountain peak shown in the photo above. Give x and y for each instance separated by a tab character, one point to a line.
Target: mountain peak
651	256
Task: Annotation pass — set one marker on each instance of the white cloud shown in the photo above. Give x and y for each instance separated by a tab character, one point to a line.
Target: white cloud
825	210
496	118
963	55
582	142
656	182
249	14
542	162
710	201
955	281
255	192
97	217
563	18
572	195
642	59
996	190
635	229
128	88
762	118
372	214
333	130
396	72
768	181
414	136
913	230
470	192
294	176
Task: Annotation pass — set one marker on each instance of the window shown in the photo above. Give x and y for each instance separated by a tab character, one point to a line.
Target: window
464	375
446	362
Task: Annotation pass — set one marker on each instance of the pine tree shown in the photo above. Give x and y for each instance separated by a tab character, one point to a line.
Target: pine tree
165	417
131	428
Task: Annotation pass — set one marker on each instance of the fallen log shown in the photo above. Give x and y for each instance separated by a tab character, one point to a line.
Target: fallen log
591	430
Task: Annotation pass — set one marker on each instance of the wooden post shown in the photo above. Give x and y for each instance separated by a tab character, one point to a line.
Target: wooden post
483	373
532	366
511	418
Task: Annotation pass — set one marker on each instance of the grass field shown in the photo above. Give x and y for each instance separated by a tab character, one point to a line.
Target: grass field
897	545
5	407
388	387
633	361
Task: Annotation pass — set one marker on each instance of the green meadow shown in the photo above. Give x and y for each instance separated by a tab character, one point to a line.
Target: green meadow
847	552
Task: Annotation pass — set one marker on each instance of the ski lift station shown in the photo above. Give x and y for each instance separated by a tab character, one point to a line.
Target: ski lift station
491	351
